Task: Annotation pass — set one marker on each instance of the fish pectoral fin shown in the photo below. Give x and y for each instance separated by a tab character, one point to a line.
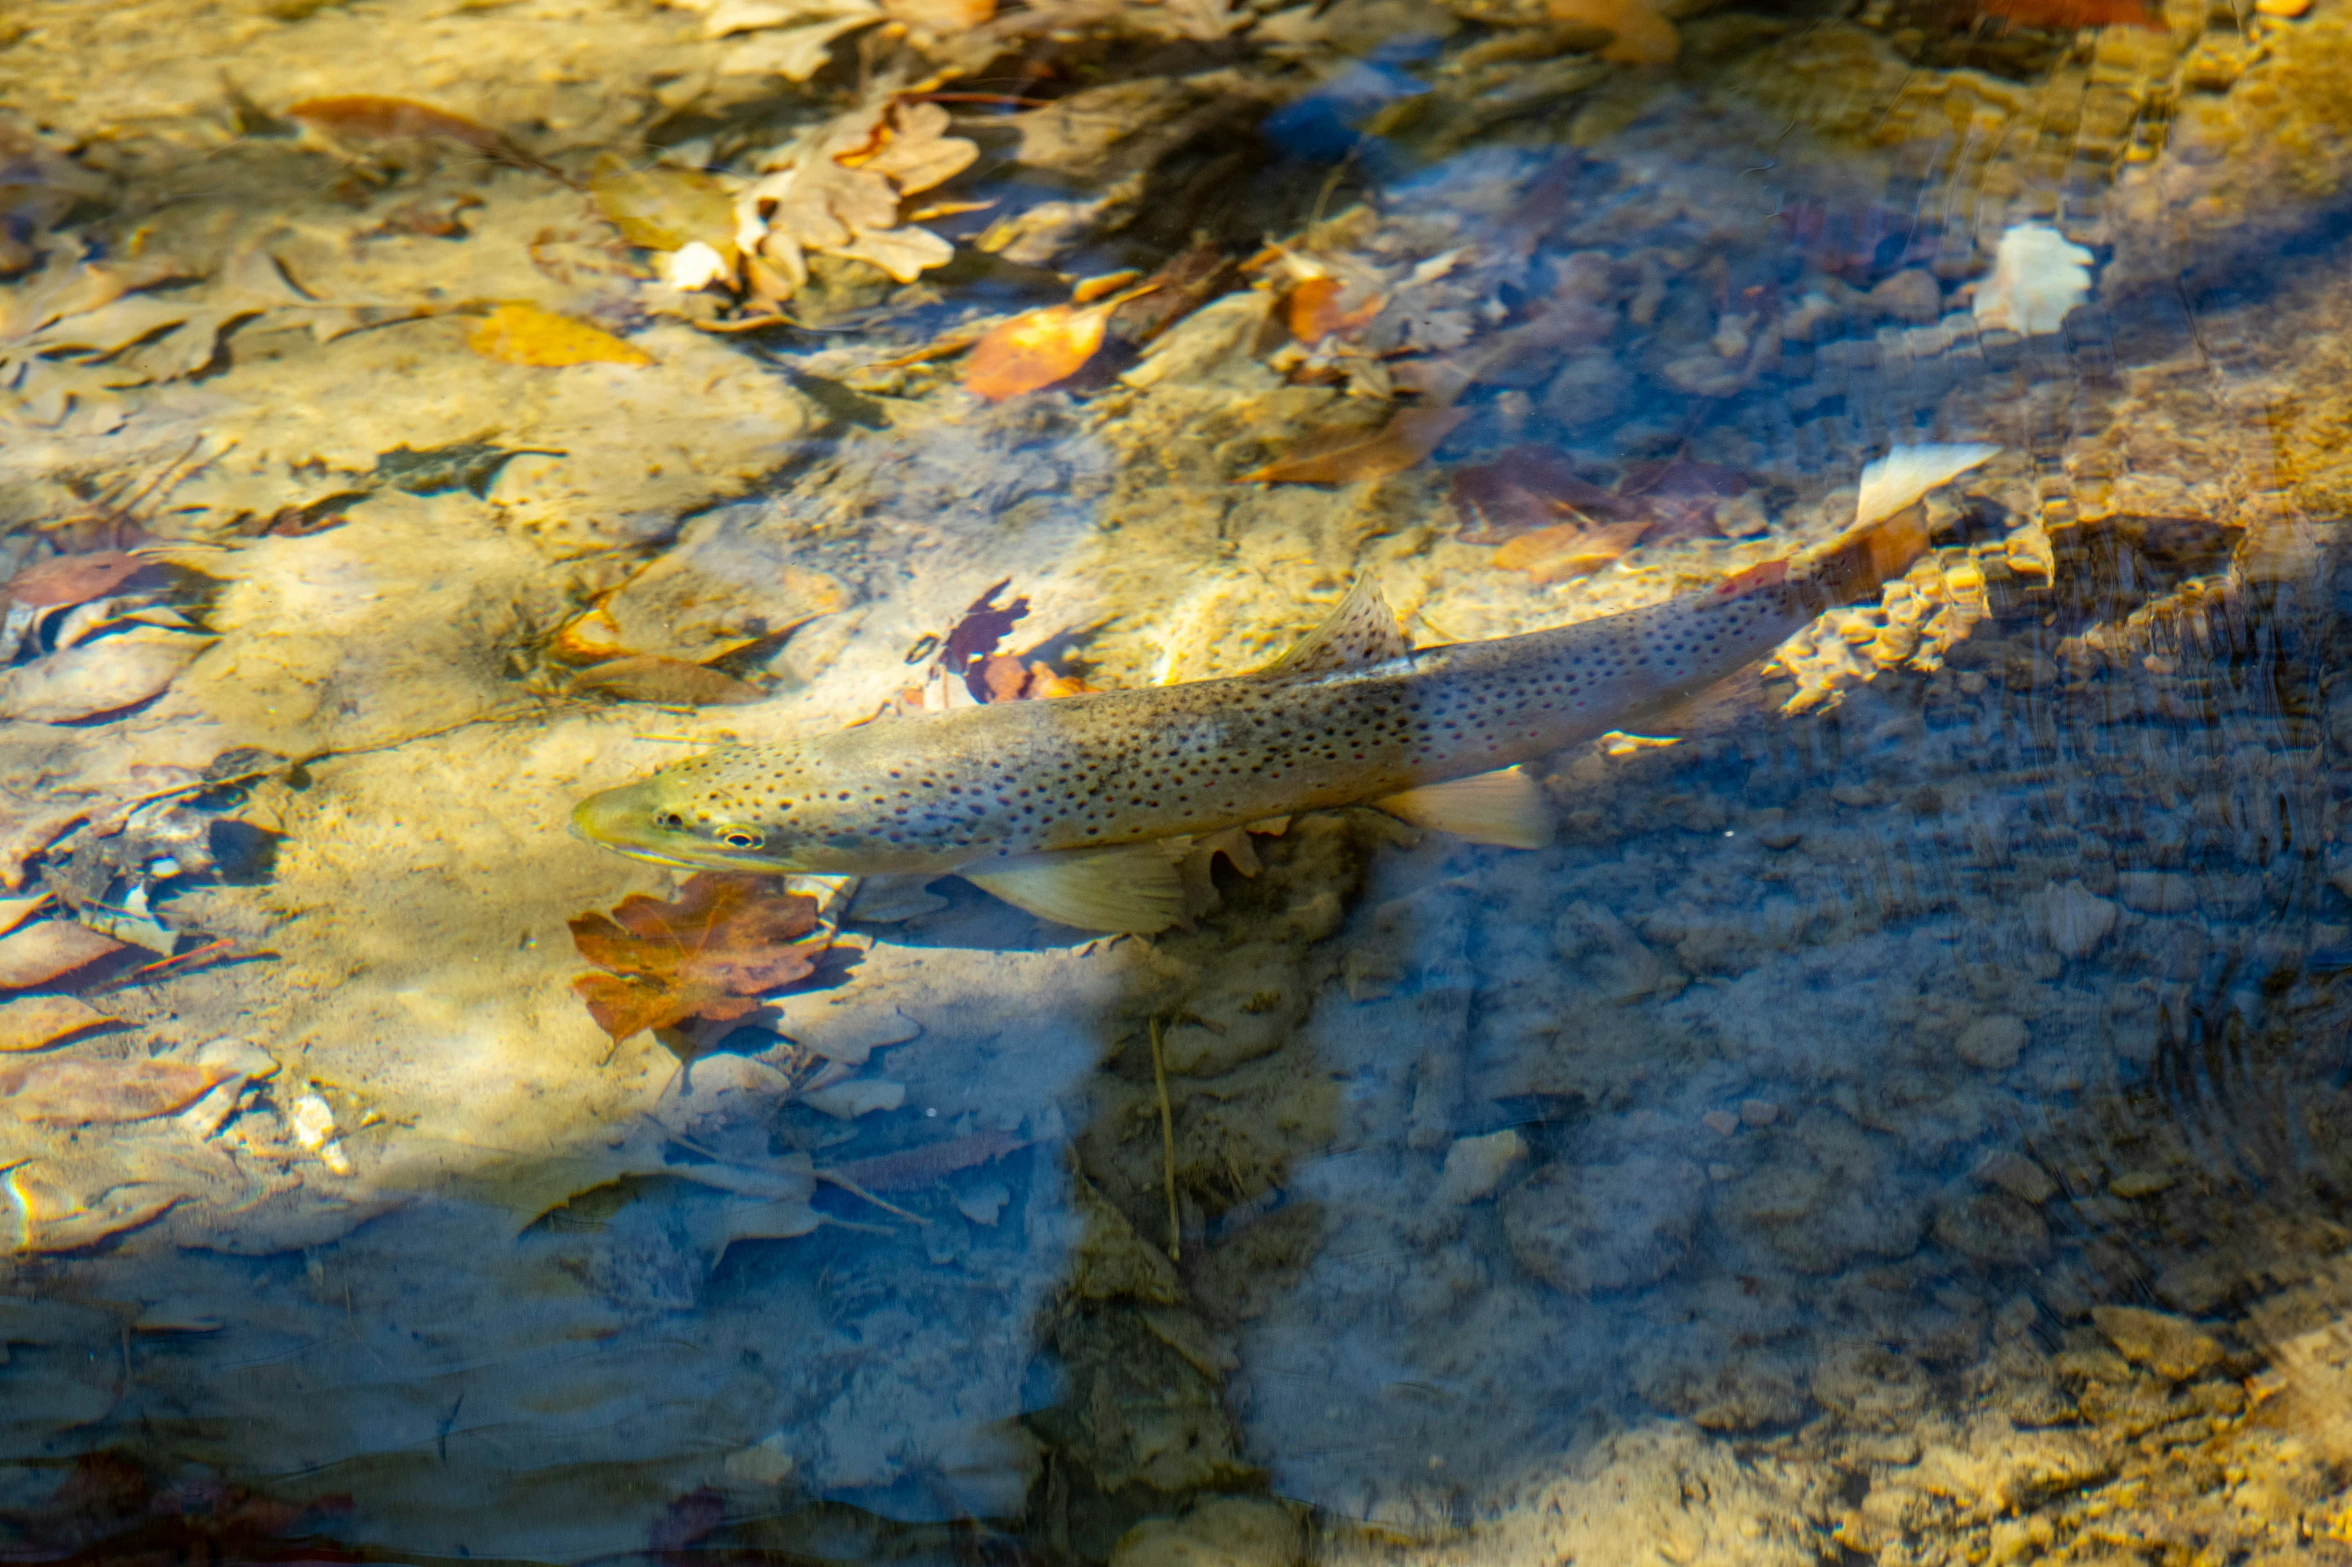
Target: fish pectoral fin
1362	630
1134	887
1506	808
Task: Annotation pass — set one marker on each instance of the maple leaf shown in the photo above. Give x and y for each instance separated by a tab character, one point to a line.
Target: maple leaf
976	635
711	954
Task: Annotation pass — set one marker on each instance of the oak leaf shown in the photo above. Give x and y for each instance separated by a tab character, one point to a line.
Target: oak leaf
712	953
1529	487
1410	435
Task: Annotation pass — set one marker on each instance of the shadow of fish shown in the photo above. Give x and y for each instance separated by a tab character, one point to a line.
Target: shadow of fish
1068	808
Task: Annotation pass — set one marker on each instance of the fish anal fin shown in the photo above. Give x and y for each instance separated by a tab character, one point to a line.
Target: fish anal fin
1134	887
1362	630
1506	808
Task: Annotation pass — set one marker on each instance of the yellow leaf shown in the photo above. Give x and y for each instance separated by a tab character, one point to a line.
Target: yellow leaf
528	335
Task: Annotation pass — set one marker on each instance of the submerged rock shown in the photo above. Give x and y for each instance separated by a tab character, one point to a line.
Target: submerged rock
1592	1227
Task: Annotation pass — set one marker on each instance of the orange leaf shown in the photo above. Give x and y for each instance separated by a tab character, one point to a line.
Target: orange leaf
1315	313
712	953
76	1093
1035	350
1572	549
1409	436
1638	34
528	335
2069	14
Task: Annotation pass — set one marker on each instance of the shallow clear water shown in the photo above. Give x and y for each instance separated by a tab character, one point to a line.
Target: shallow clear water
1899	1114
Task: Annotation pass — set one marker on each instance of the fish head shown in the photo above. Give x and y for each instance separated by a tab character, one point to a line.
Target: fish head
705	813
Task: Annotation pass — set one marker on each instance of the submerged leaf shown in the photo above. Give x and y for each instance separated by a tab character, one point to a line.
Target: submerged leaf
977	633
518	334
722	944
1315	312
40	953
1529	487
1035	350
73	579
1572	549
366	117
1681	497
664	208
1409	436
651	677
36	1022
1638	34
103	1093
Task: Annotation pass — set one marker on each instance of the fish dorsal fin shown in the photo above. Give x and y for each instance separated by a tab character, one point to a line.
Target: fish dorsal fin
1505	808
1362	630
1134	887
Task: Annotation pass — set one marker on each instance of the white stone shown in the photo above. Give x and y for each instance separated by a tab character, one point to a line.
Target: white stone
1475	1166
2037	278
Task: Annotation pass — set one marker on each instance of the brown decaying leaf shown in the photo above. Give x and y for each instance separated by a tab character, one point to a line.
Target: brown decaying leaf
35	1022
2070	14
977	633
1681	497
662	207
1034	350
519	334
103	1093
650	677
1528	487
1410	435
726	941
1572	549
365	117
53	948
1004	677
73	579
1638	34
914	1168
941	18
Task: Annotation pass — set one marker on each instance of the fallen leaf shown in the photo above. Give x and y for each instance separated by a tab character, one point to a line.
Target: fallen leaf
105	676
36	1022
836	190
723	943
527	335
104	1093
1682	497
1638	35
40	953
1410	435
1572	549
365	117
663	207
73	579
1528	487
15	911
53	1222
941	17
1036	349
914	1168
976	634
651	677
2070	14
1314	310
1004	677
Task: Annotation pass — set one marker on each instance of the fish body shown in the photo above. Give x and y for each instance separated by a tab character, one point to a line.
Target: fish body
1063	806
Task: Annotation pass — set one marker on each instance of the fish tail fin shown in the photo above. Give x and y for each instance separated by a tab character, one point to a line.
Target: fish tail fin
1863	559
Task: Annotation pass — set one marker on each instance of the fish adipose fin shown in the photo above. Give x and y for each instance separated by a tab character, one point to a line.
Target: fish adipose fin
1362	630
1505	808
1133	887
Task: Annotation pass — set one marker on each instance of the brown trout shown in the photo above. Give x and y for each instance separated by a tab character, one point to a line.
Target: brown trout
1068	808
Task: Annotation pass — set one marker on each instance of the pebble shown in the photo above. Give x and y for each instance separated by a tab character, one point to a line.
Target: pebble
1721	1122
1587	1227
2076	918
1992	1043
2170	1346
1759	1112
2017	1175
2156	892
1475	1166
1913	296
1234	1531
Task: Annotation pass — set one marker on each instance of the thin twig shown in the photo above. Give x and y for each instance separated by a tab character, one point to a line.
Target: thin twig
1167	1145
855	1190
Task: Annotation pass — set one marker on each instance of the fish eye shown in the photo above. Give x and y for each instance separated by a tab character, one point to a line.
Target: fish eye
670	819
737	838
